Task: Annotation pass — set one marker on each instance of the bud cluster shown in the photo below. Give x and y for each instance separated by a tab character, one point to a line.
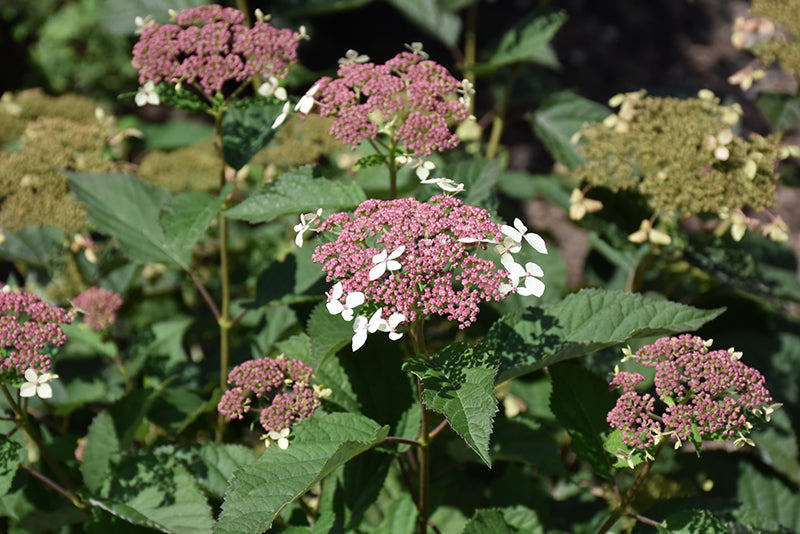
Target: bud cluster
411	99
209	46
29	329
99	306
704	395
281	386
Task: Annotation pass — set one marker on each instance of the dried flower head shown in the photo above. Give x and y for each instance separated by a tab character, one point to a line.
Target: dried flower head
99	306
771	31
281	386
411	99
209	46
411	259
30	329
703	394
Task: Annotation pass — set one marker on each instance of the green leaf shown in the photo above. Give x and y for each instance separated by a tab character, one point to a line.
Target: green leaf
172	134
581	401
583	323
433	17
693	521
258	492
286	281
102	444
186	216
769	496
125	207
779	442
626	457
39	247
247	128
479	177
559	117
328	333
782	110
400	518
528	41
488	522
297	192
9	462
154	489
459	383
213	464
83	340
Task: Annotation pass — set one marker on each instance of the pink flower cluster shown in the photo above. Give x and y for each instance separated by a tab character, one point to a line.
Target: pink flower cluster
29	328
99	306
432	268
711	392
411	99
282	387
210	45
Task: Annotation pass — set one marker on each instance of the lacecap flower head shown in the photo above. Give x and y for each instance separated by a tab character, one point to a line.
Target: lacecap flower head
411	99
209	46
280	385
405	260
30	329
700	394
99	307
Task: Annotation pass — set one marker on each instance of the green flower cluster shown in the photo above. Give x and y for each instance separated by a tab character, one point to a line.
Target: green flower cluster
783	45
680	154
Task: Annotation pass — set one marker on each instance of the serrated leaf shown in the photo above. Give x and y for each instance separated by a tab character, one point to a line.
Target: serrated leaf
779	442
370	160
9	462
186	217
400	518
581	401
258	492
583	323
769	496
102	444
692	522
134	221
559	117
286	281
479	177
247	128
328	333
218	462
433	17
35	246
459	383
782	110
528	41
158	488
297	192
488	522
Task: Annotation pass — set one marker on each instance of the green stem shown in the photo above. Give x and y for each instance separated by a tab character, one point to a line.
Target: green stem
470	48
498	123
71	492
224	316
630	494
423	458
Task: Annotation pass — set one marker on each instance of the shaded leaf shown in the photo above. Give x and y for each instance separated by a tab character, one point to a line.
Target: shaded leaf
782	110
134	221
693	521
459	383
400	518
258	492
433	17
488	522
297	192
247	128
559	117
581	401
102	444
769	496
39	247
528	41
9	462
186	217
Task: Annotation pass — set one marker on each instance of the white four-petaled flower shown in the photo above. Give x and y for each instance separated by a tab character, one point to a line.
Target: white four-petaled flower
281	438
362	326
384	262
305	222
519	232
306	102
335	306
147	95
391	325
37	384
528	275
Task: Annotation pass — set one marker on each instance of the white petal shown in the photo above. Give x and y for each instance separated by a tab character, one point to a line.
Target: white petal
28	389
394	336
536	241
354	299
31	375
513	233
398	252
335	307
534	286
532	269
44	391
298	240
393	265
283	443
336	291
377	271
347	315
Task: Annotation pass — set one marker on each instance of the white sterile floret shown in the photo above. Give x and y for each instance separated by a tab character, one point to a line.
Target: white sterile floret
351	56
305	222
519	232
384	262
335	306
306	102
281	438
282	117
528	275
391	324
37	384
147	95
362	326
